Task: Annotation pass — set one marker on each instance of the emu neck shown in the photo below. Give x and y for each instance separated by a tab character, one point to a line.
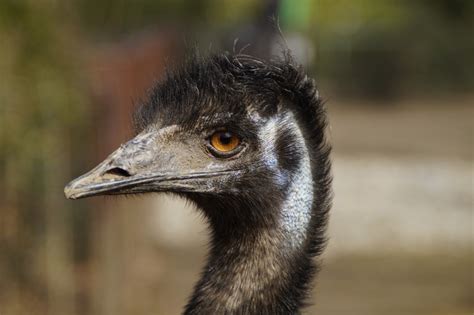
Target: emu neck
262	266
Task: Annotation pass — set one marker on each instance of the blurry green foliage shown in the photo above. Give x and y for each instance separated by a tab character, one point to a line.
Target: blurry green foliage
382	48
43	114
106	18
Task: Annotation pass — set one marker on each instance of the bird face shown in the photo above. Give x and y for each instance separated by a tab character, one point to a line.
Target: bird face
215	128
164	159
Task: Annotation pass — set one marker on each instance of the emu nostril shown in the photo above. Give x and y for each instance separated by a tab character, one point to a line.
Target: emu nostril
118	172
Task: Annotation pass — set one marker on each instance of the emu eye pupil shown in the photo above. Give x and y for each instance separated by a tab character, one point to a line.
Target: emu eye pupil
225	138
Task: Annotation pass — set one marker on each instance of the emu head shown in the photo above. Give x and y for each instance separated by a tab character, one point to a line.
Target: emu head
227	130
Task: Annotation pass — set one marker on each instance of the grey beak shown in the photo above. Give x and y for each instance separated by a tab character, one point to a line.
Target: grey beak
128	166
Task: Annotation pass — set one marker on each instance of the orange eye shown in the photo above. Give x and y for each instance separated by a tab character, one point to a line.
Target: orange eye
224	141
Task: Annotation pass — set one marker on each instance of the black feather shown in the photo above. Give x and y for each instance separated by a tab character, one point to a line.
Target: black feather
227	85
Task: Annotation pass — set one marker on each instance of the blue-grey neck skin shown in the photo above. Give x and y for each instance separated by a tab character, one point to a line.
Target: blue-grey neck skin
256	267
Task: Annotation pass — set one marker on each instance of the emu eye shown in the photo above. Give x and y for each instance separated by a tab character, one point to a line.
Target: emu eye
224	142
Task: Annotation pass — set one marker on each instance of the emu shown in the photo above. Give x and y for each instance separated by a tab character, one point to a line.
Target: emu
245	141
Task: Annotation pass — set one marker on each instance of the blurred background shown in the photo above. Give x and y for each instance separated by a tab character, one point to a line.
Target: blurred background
398	78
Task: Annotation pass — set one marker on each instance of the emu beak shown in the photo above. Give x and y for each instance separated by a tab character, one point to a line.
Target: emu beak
143	164
124	168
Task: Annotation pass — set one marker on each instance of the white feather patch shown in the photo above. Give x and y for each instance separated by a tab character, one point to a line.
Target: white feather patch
295	213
